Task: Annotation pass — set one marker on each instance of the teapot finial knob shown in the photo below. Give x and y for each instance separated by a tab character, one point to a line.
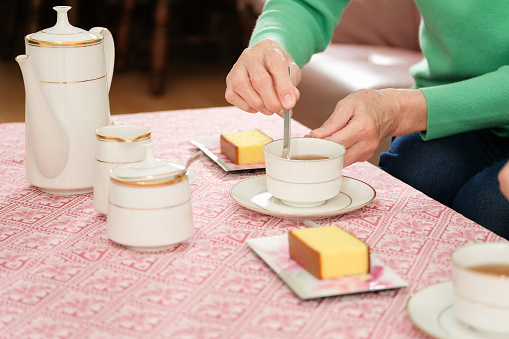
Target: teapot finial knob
62	19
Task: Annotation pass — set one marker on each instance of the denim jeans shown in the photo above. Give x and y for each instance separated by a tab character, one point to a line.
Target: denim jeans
459	171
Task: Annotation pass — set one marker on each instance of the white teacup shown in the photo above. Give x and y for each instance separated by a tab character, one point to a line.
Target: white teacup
310	177
117	144
481	300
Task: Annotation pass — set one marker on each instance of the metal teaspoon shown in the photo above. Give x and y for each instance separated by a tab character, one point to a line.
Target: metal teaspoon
286	140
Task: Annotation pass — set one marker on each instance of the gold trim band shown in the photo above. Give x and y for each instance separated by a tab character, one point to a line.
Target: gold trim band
71	82
152	177
117	163
303	183
39	43
150	183
117	139
149	209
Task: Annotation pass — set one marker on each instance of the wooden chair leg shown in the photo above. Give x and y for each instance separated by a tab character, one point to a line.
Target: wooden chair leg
33	16
124	31
9	21
73	13
159	46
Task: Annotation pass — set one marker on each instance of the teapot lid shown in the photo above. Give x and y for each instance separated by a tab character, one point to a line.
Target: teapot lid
149	172
63	33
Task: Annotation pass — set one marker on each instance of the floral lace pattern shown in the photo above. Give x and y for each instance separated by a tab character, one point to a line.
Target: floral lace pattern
61	277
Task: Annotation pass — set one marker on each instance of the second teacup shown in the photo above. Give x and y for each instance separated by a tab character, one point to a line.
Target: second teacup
310	177
481	285
117	144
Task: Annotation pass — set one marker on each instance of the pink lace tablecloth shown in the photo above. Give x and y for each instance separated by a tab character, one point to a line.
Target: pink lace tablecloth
61	277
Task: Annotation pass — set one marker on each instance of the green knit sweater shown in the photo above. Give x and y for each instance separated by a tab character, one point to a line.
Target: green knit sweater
464	75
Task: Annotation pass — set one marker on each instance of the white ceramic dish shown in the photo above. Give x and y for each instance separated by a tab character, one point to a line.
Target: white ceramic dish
149	205
274	251
211	147
252	194
301	182
431	310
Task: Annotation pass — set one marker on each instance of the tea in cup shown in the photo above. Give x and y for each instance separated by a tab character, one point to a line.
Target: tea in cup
310	177
117	144
481	286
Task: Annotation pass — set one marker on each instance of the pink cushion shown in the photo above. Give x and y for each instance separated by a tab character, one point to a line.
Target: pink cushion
380	22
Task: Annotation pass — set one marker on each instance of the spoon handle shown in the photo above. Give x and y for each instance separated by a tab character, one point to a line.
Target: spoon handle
192	159
286	140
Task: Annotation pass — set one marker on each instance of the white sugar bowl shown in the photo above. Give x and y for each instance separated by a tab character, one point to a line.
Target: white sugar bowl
149	205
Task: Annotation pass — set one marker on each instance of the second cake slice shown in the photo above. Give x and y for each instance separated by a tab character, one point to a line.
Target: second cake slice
245	147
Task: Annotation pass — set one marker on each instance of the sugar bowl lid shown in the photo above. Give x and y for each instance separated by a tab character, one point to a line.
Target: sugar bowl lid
149	172
63	33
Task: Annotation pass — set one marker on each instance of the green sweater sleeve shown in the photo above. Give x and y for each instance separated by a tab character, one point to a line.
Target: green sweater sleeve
465	73
476	103
302	27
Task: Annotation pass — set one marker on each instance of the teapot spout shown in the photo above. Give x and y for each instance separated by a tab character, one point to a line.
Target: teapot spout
46	134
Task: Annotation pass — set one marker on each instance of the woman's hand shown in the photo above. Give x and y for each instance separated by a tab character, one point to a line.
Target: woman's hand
260	82
364	118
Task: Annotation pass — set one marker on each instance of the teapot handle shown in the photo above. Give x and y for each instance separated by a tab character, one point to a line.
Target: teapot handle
109	51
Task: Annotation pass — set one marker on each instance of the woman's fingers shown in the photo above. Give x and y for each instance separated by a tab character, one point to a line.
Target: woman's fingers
356	149
336	121
236	100
263	82
260	80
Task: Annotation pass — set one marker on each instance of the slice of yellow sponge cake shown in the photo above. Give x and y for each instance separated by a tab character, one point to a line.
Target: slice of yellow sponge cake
244	147
328	252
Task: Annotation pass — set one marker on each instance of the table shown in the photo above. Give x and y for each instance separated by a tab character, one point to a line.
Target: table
60	276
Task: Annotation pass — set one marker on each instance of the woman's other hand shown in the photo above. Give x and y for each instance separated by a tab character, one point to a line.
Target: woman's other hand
366	117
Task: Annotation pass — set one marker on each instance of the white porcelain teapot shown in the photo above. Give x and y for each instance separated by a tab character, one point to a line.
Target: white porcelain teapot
67	73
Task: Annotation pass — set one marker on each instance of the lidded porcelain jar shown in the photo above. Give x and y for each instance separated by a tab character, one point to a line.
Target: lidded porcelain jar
149	204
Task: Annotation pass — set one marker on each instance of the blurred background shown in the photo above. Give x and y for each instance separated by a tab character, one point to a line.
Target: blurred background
170	54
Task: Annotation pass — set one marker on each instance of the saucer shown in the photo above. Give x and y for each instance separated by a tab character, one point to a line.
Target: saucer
431	310
252	194
274	251
212	148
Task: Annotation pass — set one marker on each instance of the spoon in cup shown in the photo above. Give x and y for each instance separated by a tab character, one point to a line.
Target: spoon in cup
286	140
